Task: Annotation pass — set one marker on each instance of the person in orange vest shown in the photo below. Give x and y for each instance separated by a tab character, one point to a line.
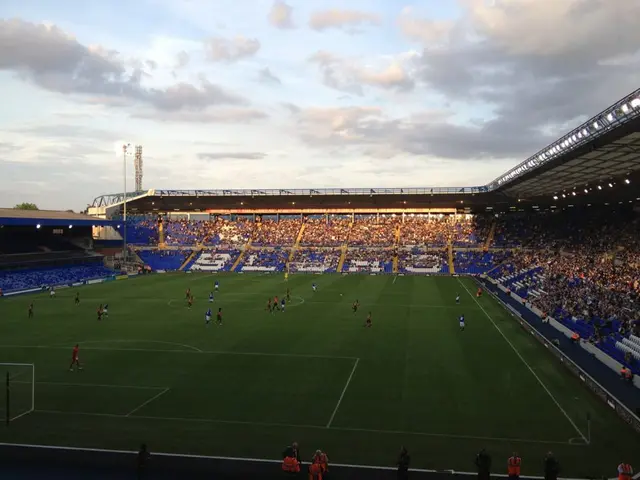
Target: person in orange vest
626	374
479	292
315	471
575	338
513	466
291	465
625	471
322	459
291	461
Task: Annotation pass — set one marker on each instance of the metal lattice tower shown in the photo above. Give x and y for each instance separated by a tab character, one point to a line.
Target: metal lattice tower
138	167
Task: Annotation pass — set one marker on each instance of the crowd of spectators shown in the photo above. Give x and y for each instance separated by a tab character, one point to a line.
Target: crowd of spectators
580	267
376	231
282	232
429	230
326	232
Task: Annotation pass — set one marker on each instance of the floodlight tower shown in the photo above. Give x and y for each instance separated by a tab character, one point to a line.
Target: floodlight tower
126	151
138	167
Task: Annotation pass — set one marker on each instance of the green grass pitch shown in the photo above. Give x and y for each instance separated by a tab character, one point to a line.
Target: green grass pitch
154	373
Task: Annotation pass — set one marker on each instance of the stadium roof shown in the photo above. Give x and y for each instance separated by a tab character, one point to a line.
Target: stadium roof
604	150
13	216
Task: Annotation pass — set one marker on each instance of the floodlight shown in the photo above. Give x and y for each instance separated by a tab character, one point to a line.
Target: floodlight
573	193
595	125
574	138
599	187
610	117
555	197
38	226
586	191
70	226
625	108
585	132
564	196
635	103
627	181
611	185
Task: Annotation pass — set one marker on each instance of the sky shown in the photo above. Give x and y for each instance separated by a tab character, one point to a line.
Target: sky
231	94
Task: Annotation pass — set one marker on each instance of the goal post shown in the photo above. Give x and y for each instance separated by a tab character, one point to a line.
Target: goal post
19	390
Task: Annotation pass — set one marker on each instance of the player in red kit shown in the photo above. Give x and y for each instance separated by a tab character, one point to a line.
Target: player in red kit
479	293
75	359
188	294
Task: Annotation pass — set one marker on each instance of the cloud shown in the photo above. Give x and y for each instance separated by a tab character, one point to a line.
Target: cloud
219	115
182	59
68	132
430	133
230	50
347	75
266	76
423	30
231	155
537	67
280	15
56	61
334	18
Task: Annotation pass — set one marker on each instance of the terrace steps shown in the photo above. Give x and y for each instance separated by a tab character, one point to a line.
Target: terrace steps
343	256
241	256
296	244
397	236
395	263
452	269
161	242
492	232
188	260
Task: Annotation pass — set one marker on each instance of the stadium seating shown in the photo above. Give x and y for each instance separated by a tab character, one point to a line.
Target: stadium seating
214	261
368	260
307	260
273	260
164	259
419	261
35	278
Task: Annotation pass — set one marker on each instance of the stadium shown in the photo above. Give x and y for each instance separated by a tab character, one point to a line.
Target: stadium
542	263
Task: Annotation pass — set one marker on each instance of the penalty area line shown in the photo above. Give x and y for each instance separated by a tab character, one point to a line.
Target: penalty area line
344	390
143	404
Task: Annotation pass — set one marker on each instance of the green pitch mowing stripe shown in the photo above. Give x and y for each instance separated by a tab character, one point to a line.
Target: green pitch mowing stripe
312	374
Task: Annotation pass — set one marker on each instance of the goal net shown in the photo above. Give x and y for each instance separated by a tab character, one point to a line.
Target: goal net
17	391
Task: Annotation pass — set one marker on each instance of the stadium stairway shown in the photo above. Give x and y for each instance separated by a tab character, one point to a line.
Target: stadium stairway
343	256
246	247
296	244
191	259
452	269
161	242
492	232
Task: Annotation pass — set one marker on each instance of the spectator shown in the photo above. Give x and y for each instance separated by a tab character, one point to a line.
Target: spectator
551	467
143	461
404	459
483	464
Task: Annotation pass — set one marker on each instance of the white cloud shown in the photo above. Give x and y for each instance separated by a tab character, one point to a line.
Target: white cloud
230	50
335	18
280	15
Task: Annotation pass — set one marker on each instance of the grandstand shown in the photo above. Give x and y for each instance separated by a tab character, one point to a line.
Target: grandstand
555	240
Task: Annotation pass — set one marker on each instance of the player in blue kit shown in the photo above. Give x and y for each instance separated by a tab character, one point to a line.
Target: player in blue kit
105	310
282	303
457	299
461	320
210	297
207	317
216	285
314	287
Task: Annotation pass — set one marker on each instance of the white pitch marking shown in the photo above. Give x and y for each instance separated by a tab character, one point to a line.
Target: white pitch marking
344	390
94	385
315	427
147	402
526	364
